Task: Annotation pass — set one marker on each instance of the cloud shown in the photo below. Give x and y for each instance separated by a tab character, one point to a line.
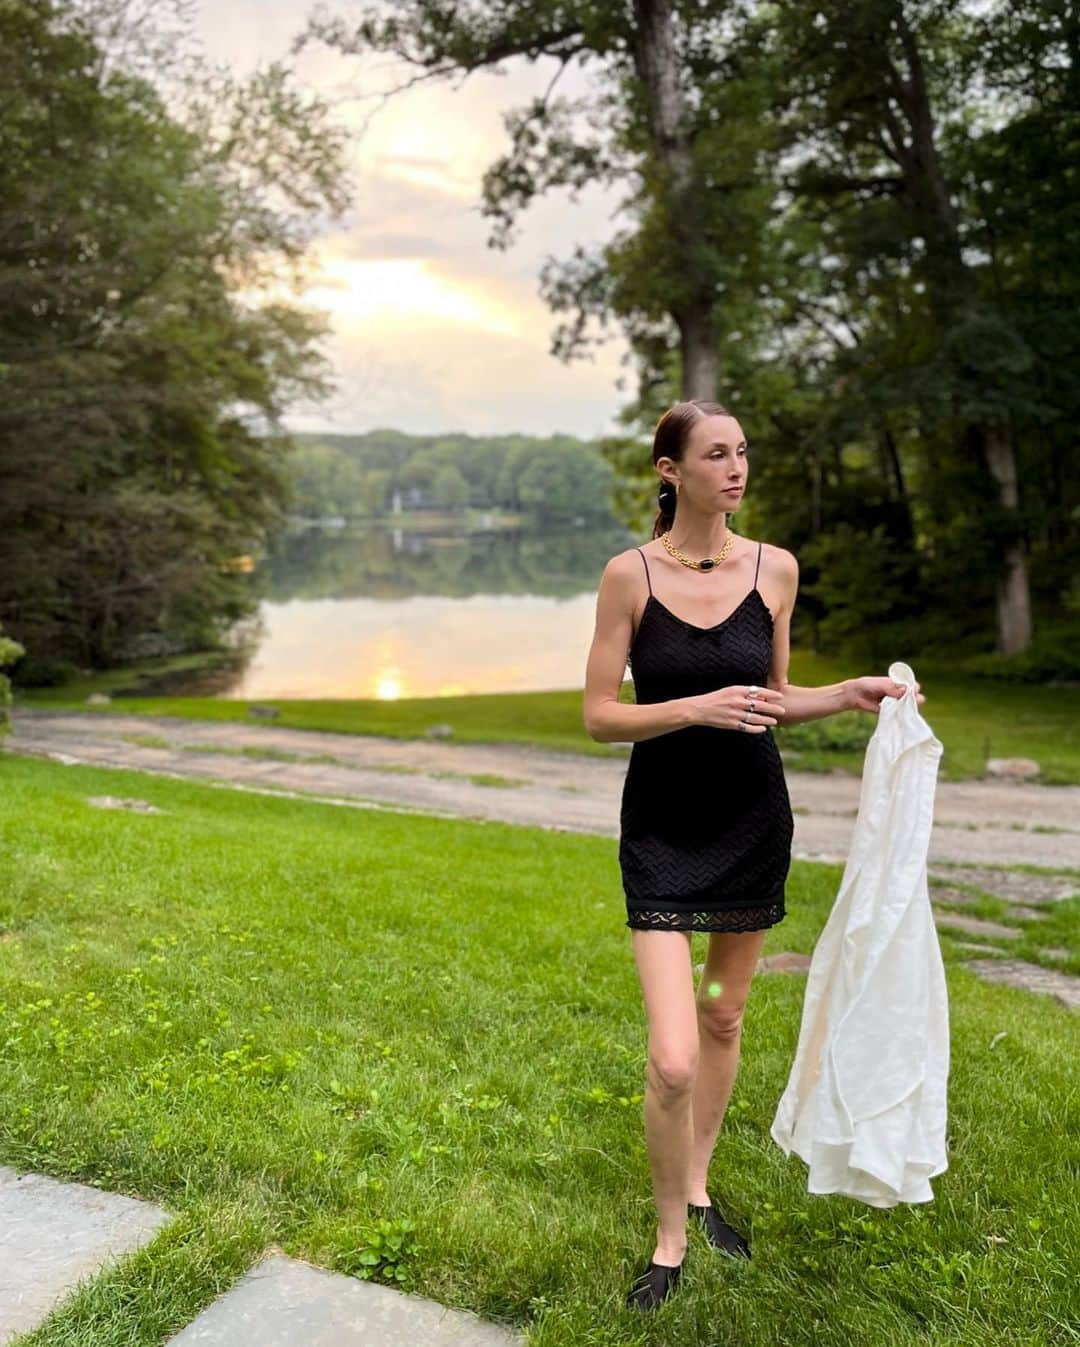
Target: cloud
433	329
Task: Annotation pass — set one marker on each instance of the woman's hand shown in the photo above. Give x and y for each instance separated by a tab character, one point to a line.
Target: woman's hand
868	693
727	708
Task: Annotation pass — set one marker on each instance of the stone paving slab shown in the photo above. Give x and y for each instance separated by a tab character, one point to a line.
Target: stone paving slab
1055	952
943	893
53	1235
1031	977
282	1302
1018	885
956	921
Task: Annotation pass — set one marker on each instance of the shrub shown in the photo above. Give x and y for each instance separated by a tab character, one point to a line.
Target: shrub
1049	658
10	651
849	731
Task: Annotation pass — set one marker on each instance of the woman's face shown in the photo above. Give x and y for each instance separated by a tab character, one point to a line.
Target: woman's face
712	473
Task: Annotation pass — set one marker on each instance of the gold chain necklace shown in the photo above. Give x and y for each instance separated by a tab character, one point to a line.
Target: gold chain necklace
706	563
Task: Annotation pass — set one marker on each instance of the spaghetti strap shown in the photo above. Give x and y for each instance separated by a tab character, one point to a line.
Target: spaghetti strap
758	566
646	565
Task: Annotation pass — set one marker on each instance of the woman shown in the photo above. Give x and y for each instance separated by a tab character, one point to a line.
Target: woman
703	616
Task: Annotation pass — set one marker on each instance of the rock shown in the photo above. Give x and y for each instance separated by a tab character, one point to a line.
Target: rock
1017	885
1016	769
440	731
1024	913
975	926
980	949
1016	973
1055	952
115	802
259	712
944	893
99	699
785	962
282	1302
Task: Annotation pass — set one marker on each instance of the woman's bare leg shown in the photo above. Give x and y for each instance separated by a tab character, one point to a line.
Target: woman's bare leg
667	984
720	1001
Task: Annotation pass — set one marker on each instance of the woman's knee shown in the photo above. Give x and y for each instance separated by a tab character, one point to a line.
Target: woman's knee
672	1069
722	1019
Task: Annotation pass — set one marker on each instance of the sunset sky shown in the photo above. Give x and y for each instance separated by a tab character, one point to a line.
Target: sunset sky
433	331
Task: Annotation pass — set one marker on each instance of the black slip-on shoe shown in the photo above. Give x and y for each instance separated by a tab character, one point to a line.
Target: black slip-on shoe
654	1285
717	1231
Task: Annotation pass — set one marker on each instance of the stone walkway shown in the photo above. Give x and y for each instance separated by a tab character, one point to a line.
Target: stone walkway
54	1235
979	826
976	822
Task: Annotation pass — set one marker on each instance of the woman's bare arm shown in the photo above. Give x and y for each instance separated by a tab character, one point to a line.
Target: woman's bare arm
607	720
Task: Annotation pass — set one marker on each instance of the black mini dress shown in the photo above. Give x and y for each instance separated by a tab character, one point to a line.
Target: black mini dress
705	819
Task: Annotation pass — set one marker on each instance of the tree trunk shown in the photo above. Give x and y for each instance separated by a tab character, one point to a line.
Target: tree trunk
1013	589
700	358
953	293
894	469
656	62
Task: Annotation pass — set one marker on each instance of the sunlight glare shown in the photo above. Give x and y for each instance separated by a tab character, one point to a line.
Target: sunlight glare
388	687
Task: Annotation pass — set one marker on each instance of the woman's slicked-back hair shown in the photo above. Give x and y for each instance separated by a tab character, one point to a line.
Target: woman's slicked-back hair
669	441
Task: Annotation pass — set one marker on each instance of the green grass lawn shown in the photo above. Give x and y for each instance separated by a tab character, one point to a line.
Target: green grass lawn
287	1022
975	719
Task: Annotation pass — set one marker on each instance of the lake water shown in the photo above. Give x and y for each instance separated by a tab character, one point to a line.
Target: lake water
386	613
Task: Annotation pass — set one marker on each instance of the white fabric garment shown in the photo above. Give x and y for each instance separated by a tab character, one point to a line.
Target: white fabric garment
865	1103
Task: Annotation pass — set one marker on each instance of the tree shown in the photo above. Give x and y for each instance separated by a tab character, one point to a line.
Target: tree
652	125
449	487
893	95
132	369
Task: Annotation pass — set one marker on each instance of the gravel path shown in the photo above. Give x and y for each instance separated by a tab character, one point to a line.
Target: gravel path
995	822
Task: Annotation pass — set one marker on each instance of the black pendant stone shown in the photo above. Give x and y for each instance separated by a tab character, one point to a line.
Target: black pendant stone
707	564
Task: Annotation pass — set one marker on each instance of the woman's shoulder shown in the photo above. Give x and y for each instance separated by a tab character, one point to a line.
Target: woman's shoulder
779	558
624	573
627	558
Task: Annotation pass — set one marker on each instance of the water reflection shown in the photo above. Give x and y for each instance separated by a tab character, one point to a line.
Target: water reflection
377	613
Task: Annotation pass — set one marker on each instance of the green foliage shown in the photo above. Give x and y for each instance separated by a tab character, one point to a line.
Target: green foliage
554	478
133	373
10	652
45	671
848	732
861	580
449	488
387	1250
1051	658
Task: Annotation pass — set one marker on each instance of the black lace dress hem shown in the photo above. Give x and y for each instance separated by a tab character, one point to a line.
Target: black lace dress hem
750	917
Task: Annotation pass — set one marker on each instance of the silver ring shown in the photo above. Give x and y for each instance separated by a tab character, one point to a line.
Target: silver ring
752	703
753	690
746	718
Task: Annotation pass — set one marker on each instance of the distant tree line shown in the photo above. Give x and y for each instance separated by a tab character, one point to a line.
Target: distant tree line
546	479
